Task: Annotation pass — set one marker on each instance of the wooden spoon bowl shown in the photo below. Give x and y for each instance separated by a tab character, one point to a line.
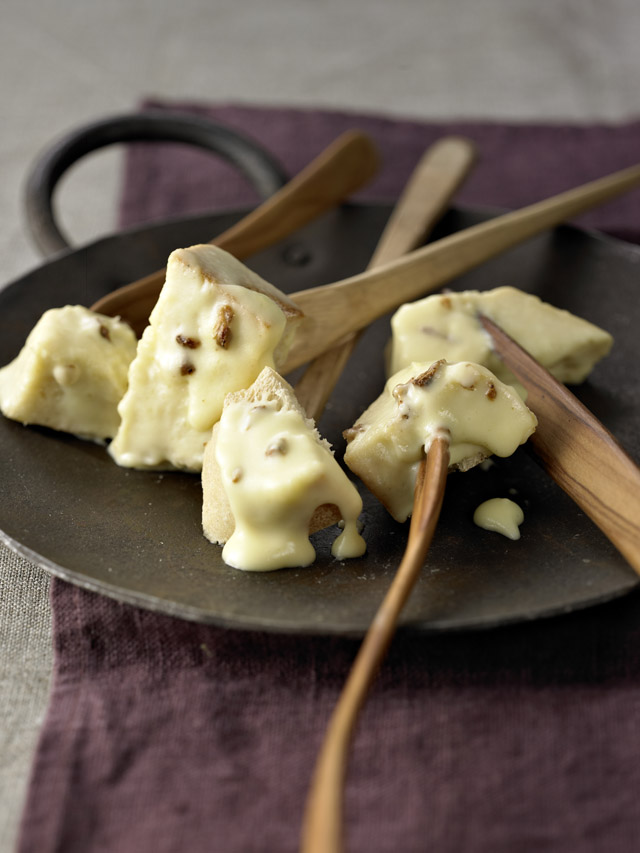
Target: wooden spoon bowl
336	310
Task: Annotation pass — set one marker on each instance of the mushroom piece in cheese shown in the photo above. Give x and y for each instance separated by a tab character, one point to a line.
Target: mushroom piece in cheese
215	326
268	480
71	373
447	326
479	414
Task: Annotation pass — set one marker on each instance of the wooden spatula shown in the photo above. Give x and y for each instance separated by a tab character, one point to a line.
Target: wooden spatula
341	169
577	451
336	310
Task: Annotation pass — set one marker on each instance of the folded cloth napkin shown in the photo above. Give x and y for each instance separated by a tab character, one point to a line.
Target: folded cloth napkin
162	735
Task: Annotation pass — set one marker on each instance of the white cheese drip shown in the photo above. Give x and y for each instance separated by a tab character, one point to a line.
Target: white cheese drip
276	473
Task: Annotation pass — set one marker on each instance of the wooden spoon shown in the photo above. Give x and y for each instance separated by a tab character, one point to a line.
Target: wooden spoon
438	175
336	310
341	169
322	830
577	451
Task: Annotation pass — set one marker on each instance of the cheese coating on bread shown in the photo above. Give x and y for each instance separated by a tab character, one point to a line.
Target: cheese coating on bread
268	479
71	373
447	326
480	415
215	326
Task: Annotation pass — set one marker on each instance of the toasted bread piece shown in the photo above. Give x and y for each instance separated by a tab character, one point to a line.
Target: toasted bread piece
269	480
215	326
71	373
480	414
447	326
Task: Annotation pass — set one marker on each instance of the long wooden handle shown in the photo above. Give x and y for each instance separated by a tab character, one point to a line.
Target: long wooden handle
578	452
426	196
341	169
434	181
336	310
322	829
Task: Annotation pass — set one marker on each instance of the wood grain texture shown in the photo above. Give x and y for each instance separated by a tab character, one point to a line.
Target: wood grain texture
341	169
322	830
436	178
577	451
339	309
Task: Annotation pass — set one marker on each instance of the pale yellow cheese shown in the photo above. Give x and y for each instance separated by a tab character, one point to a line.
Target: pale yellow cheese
268	470
500	515
215	326
447	326
480	414
71	373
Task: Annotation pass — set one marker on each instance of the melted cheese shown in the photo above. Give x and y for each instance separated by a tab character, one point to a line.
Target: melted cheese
276	472
500	515
215	326
480	413
71	373
447	326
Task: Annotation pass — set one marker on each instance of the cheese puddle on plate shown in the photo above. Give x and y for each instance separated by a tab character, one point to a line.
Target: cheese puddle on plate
500	515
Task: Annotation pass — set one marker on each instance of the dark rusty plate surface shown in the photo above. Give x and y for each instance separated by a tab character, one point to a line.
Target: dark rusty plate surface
136	536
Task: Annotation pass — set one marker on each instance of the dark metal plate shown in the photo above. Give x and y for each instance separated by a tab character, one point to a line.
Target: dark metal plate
136	536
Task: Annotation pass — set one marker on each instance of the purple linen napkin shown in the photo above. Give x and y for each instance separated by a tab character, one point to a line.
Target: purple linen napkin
163	735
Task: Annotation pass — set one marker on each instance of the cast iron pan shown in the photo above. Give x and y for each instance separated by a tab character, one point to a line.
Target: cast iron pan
136	536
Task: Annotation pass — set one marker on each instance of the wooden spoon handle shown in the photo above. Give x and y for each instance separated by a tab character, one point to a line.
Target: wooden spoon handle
578	452
437	177
433	182
333	311
341	169
322	830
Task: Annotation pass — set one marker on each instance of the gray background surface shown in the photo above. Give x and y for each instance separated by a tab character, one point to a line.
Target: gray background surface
65	63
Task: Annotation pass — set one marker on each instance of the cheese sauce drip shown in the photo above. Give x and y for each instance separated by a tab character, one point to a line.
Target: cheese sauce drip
500	515
276	473
481	415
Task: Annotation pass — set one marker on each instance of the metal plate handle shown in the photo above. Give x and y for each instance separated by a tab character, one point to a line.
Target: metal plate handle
262	170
